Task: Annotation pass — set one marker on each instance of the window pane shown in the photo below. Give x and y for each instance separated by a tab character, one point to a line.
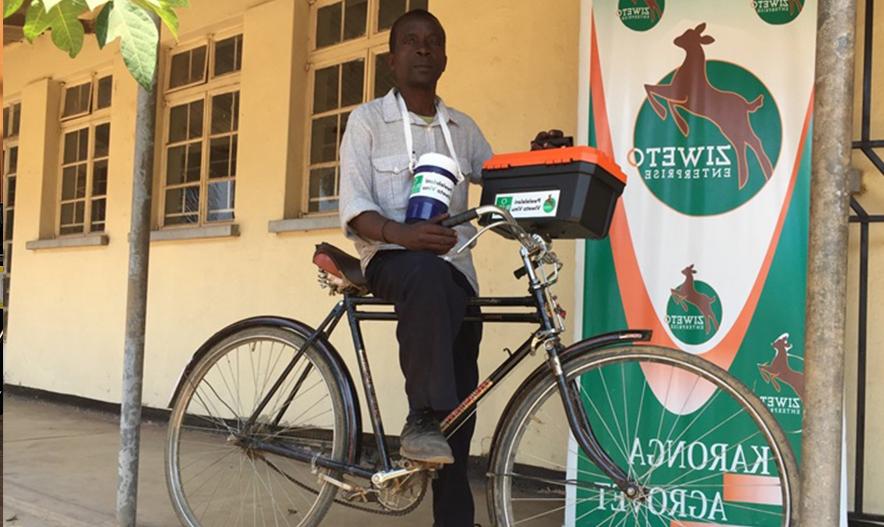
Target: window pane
105	88
198	64
180	70
76	99
67	214
6	127
99	178
219	157
70	147
68	183
417	4
10	191
383	77
102	140
325	89
175	165
328	25
97	215
343	127
221	200
194	158
233	147
10	216
352	75
355	16
323	143
322	183
80	191
79	211
83	145
182	205
330	205
228	55
389	11
223	107
13	159
16	118
196	119
178	123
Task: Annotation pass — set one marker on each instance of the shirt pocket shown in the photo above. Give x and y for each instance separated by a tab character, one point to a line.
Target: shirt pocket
393	182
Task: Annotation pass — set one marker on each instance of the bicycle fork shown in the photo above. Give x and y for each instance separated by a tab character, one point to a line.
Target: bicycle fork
582	430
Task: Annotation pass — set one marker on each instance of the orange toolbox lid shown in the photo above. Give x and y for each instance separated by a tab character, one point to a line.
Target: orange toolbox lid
556	156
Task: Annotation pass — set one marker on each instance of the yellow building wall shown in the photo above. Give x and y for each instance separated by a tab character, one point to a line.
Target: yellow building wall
67	305
871	197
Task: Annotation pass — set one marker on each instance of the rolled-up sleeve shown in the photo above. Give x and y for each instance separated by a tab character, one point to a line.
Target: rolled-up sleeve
356	188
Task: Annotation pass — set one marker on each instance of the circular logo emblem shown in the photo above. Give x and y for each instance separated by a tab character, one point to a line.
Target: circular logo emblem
640	15
778	11
707	141
549	205
694	310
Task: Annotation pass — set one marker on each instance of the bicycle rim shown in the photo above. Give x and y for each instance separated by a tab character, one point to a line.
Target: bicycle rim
704	449
213	475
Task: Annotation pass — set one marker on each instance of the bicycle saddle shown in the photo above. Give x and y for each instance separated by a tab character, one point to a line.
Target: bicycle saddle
341	265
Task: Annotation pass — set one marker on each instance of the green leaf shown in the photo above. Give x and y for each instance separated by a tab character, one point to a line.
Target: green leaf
11	6
67	30
176	3
162	10
138	40
101	23
36	21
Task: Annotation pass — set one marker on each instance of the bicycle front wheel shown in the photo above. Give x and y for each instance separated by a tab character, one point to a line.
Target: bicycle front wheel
705	450
215	473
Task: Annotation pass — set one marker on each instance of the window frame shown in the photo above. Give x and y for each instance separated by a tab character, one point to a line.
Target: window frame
9	143
91	119
368	47
213	85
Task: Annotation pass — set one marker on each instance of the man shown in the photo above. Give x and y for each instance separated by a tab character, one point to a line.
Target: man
413	265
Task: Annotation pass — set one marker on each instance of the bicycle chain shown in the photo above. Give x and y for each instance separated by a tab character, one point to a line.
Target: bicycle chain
381	512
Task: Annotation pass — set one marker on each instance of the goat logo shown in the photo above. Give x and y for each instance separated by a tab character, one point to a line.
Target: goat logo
708	134
694	310
778	11
640	15
778	371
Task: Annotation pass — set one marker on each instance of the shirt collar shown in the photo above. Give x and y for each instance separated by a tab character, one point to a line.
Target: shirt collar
391	108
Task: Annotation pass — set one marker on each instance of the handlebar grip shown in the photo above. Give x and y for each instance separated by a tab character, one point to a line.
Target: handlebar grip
458	219
521	271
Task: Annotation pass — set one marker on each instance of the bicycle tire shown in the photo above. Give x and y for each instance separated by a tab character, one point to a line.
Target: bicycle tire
249	487
538	478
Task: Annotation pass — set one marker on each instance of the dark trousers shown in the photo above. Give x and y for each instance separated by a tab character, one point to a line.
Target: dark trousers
438	353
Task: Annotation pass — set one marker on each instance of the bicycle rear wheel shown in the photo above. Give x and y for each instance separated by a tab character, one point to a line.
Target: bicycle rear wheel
214	474
704	448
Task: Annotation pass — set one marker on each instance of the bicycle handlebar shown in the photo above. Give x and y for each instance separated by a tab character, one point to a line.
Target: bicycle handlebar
458	219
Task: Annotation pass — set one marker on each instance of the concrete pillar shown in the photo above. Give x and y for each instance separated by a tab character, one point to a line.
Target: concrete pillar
827	265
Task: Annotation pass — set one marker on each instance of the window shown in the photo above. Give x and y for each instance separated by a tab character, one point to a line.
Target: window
349	67
85	149
199	178
11	125
78	99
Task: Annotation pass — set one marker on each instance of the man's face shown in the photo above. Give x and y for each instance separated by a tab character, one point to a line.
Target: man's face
419	58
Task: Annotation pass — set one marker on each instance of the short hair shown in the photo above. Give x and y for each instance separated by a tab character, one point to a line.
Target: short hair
409	15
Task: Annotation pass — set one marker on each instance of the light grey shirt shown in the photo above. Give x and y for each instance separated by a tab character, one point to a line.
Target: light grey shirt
375	175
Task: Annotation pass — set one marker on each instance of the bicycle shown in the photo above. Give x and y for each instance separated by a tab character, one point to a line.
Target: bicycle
266	422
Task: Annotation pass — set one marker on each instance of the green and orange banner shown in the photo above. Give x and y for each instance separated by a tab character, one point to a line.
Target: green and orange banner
707	107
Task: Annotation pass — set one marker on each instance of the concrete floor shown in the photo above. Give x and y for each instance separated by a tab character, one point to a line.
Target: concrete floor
60	469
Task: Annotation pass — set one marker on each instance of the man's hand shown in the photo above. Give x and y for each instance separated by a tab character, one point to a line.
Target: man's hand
551	139
422	236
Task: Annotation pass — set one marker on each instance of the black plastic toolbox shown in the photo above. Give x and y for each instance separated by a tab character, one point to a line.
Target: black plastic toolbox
563	193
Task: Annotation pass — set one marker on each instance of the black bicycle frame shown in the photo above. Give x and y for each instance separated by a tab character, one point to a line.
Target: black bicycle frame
350	306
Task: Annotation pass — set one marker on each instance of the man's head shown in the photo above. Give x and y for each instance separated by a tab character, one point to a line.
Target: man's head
417	50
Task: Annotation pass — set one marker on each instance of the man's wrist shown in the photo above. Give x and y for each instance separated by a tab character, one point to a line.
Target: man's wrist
390	232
